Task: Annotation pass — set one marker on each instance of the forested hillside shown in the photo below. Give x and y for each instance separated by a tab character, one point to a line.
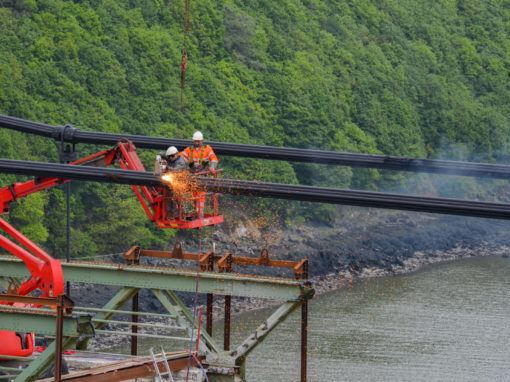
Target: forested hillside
421	78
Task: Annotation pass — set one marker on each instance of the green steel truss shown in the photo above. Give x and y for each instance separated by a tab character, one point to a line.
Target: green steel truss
230	284
163	282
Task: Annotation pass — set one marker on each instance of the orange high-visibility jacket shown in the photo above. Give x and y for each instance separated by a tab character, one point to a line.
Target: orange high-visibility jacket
199	157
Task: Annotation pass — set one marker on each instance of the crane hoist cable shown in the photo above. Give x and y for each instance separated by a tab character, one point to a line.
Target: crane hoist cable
184	58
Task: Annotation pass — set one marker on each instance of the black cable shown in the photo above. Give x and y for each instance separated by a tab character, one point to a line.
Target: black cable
267	190
386	162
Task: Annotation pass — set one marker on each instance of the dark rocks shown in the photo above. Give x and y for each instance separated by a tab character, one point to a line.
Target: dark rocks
365	245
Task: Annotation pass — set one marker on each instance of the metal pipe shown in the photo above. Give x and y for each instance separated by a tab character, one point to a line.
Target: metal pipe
144	335
79	308
17	358
139	324
13	369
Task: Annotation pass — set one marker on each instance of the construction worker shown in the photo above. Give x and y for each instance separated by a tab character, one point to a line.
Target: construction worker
165	162
200	157
169	161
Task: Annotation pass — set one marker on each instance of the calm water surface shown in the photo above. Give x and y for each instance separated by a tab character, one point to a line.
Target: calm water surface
449	322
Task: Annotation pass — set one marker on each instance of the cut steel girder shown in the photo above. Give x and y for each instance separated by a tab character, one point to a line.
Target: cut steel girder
171	279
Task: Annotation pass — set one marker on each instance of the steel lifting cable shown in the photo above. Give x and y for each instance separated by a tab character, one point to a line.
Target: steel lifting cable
184	57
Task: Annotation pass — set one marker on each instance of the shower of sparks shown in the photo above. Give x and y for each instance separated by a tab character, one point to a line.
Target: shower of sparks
180	182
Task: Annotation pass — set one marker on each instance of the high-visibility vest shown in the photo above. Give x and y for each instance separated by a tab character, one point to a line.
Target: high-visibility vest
206	155
191	161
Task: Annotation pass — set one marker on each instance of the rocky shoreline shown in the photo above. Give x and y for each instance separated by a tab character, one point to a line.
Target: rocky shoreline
362	246
325	284
337	280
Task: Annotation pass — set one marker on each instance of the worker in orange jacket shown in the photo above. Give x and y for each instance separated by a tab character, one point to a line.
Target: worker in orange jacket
200	157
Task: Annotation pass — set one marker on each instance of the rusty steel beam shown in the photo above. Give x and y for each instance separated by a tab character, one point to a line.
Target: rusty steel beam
210	296
263	260
127	369
65	302
135	308
304	339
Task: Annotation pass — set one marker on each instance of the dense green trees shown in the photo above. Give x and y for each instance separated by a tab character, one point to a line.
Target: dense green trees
409	77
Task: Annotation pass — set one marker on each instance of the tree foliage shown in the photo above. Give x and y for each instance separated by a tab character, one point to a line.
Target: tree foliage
411	78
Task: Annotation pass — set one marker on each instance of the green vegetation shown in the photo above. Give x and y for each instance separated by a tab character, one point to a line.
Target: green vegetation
409	77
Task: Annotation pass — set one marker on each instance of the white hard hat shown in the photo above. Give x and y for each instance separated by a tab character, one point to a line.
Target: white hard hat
171	151
198	136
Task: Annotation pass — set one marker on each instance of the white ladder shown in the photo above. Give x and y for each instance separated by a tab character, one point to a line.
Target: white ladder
165	376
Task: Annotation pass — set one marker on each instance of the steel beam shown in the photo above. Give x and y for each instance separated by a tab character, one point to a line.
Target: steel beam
174	305
41	321
263	330
116	302
171	279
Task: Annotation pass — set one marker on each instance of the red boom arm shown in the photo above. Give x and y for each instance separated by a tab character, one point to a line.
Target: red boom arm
153	200
46	272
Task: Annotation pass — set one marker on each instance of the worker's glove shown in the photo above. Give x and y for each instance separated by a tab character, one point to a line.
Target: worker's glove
213	165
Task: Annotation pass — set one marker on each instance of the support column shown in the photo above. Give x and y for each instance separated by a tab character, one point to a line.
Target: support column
228	307
67	155
304	338
134	327
134	316
226	334
58	339
210	299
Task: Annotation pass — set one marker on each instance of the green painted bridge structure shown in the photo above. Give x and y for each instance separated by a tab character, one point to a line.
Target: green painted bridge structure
163	282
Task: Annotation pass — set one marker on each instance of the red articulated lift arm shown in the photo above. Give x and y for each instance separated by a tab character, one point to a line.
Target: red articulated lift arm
46	272
154	200
160	205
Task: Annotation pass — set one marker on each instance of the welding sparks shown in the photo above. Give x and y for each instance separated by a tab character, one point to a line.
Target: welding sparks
168	178
179	182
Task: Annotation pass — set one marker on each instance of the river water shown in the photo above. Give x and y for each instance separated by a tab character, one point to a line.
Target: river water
448	322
